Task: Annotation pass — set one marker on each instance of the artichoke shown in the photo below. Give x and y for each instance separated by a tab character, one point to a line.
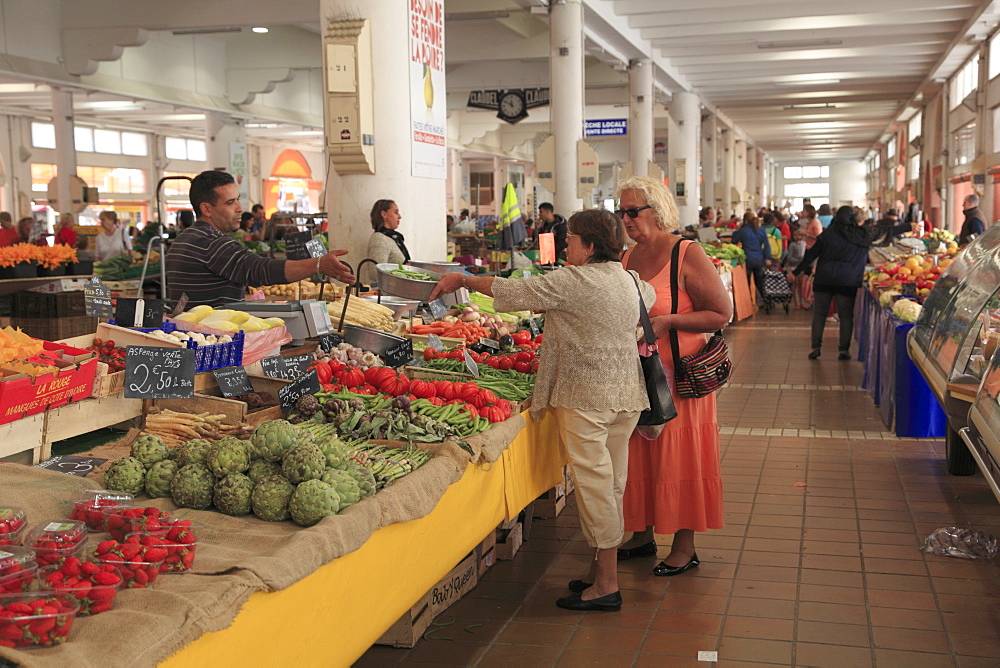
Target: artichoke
347	487
125	475
158	478
272	439
191	452
228	455
149	449
336	453
307	405
303	462
270	498
364	478
312	501
232	494
192	486
260	469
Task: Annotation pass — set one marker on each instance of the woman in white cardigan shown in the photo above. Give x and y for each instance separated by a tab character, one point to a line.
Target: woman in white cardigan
386	244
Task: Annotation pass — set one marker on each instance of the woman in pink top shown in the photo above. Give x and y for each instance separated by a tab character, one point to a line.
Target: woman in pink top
811	224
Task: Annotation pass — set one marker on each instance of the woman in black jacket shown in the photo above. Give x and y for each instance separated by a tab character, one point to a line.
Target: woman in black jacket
842	252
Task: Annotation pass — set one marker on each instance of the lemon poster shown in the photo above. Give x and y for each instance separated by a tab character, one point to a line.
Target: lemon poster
428	110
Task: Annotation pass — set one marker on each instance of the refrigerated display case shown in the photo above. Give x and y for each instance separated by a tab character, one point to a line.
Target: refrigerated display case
956	335
982	435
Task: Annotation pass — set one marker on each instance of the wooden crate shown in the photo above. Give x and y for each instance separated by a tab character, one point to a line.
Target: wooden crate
446	341
509	541
551	503
486	552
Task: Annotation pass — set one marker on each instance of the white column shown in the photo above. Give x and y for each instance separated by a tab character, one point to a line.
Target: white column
640	131
685	110
762	184
566	85
709	150
216	149
349	198
62	119
456	182
499	184
728	169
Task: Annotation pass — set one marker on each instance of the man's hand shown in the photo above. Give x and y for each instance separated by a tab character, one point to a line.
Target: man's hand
334	268
447	284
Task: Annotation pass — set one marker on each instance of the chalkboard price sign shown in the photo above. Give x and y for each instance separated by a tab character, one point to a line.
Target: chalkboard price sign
159	373
97	299
139	312
71	464
315	247
532	325
329	341
305	384
438	309
489	343
285	368
295	246
233	381
470	364
399	354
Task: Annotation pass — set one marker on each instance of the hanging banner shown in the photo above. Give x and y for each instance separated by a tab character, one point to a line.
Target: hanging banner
428	110
238	168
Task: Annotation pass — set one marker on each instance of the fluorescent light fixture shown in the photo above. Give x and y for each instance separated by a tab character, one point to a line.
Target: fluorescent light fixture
205	31
475	16
110	105
817	105
19	88
259	29
808	82
799	43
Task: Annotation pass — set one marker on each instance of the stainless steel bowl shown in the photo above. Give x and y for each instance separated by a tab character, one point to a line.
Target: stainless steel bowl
405	287
439	267
370	339
401	308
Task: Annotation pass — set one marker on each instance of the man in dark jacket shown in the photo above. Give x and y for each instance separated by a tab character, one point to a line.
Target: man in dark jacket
975	221
553	222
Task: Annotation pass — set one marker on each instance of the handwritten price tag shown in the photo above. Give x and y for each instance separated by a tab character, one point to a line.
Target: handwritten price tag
159	373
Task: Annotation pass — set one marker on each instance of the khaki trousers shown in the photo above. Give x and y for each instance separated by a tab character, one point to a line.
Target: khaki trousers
596	444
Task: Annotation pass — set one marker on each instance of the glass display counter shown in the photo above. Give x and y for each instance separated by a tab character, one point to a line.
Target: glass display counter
956	335
982	435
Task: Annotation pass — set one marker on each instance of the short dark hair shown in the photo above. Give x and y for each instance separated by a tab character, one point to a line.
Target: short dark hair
203	187
257	206
601	228
185	218
547	206
380	206
768	218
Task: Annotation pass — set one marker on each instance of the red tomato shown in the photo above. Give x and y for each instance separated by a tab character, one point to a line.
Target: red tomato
522	367
521	336
524	356
506	363
366	389
429	353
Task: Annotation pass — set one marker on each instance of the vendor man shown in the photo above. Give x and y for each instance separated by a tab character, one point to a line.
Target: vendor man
211	267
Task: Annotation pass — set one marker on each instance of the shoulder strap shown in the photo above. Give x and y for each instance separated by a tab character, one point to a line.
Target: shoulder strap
647	326
675	257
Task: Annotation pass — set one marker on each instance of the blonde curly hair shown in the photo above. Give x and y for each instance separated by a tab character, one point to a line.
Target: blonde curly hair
658	196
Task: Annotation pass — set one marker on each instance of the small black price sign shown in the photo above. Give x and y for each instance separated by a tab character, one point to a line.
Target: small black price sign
285	368
139	312
489	343
532	325
908	289
97	299
315	247
399	354
470	364
71	465
438	309
159	373
233	381
305	384
328	342
295	246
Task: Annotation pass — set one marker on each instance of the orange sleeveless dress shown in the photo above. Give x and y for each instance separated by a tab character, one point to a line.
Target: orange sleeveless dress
675	482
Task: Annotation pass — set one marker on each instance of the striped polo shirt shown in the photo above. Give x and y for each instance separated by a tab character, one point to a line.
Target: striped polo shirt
214	269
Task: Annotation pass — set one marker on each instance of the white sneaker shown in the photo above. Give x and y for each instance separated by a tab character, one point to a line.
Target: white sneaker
833	318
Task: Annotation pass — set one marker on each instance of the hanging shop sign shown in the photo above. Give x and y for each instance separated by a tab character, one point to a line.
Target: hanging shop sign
428	109
511	104
606	127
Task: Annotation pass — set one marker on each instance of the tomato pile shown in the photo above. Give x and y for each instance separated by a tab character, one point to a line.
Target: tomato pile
110	354
524	361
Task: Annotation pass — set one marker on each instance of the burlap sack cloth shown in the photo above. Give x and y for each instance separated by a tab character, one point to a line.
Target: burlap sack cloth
236	557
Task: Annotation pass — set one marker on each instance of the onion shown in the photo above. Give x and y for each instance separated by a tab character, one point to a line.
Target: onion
470	317
502	330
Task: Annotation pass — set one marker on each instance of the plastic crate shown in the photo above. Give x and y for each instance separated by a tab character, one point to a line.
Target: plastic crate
48	305
56	329
166	327
218	355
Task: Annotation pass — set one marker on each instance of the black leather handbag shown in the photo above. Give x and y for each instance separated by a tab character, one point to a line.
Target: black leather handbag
661	404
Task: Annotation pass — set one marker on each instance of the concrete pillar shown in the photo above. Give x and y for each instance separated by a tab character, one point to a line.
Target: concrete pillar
456	182
499	184
349	198
728	158
640	131
566	86
709	151
62	119
762	185
682	149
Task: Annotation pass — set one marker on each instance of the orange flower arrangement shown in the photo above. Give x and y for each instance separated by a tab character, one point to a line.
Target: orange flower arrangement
46	256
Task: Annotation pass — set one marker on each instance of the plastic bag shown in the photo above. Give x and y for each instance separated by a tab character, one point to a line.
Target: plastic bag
962	543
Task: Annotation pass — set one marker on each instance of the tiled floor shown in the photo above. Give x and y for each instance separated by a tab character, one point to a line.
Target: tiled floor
817	565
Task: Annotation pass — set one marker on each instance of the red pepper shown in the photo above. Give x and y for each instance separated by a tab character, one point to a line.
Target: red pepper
323	372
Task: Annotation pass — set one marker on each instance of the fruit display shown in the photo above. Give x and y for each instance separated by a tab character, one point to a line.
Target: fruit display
906	310
109	353
227	320
17	569
345	353
54	542
288	291
363	313
260	476
41	619
918	269
92	505
197	338
725	252
94	585
139	563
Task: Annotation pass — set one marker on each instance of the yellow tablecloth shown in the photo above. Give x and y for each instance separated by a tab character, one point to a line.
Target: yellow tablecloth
333	616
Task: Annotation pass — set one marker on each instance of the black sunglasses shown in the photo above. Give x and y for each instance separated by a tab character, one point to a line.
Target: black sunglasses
633	212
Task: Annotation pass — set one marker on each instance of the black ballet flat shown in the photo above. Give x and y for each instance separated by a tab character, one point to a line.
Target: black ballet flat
814	355
647	550
579	586
609	603
844	356
664	570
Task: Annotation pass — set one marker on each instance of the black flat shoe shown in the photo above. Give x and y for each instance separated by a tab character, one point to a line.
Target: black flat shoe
647	550
814	355
579	586
844	356
663	570
609	603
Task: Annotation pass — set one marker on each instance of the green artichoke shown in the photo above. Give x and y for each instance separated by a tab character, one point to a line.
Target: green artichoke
192	486
125	475
260	469
232	494
346	486
191	452
272	439
158	478
303	462
312	501
149	449
270	498
364	478
336	453
227	455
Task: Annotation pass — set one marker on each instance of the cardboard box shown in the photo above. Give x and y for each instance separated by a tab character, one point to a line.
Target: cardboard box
415	621
62	285
551	503
21	394
568	480
486	553
509	541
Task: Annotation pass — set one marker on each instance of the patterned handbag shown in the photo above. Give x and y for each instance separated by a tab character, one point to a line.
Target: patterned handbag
705	371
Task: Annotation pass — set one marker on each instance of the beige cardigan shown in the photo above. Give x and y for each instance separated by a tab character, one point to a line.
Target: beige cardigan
382	249
589	360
